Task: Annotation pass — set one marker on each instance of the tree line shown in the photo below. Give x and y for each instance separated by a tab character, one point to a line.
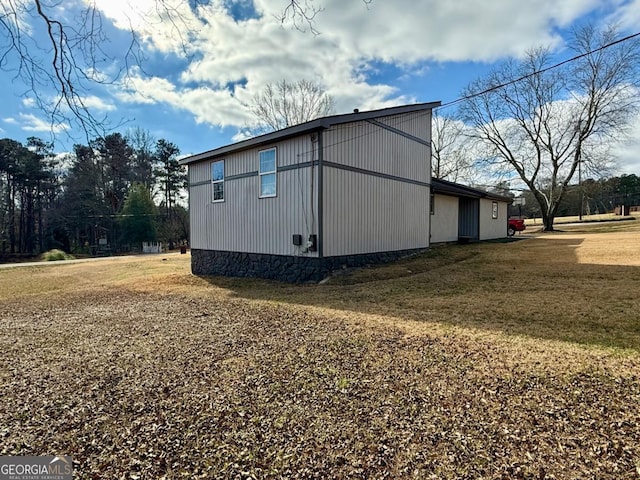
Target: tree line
592	196
107	196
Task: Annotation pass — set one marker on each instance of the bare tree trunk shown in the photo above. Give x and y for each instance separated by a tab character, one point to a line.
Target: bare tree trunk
39	208
12	216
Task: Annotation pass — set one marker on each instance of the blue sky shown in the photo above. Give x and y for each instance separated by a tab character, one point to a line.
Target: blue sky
385	53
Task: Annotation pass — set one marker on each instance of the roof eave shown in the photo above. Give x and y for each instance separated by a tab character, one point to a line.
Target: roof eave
307	127
265	139
445	187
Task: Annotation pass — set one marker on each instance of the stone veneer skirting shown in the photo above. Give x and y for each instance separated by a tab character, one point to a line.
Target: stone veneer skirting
282	267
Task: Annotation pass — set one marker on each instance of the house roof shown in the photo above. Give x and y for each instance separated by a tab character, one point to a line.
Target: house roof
445	187
307	127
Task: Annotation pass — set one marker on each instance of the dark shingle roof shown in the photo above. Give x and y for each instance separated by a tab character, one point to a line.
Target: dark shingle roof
445	187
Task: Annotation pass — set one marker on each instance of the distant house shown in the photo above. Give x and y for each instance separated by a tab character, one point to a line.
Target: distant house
461	213
625	210
295	204
151	247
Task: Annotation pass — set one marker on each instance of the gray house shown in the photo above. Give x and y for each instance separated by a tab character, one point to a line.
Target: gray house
295	204
461	213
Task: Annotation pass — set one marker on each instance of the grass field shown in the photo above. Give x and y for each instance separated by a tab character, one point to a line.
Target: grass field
598	217
492	360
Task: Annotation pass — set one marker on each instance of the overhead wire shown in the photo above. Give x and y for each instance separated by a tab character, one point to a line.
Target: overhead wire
485	91
540	71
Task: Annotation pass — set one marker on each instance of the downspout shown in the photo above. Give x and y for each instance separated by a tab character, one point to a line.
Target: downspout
479	220
190	207
320	194
432	196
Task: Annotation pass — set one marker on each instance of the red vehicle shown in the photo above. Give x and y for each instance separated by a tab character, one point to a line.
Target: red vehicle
515	225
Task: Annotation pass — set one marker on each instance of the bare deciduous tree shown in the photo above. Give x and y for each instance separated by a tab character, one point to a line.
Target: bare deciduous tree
71	56
143	144
44	48
547	123
284	104
450	153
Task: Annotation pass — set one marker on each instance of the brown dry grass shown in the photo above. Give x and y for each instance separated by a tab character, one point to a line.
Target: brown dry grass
514	360
598	217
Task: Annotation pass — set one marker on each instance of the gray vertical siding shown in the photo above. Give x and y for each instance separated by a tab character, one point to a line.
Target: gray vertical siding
365	213
362	213
370	147
246	223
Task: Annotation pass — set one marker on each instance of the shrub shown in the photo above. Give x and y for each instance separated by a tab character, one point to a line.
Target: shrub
56	254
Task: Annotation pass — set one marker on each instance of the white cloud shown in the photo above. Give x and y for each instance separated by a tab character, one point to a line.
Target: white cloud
15	16
215	106
627	154
233	60
96	103
163	25
31	123
627	16
407	31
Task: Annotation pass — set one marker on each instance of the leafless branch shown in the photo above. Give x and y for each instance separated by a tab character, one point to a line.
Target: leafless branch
450	152
285	104
301	14
59	72
546	123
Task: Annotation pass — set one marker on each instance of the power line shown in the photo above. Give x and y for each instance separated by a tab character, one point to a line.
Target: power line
495	87
538	72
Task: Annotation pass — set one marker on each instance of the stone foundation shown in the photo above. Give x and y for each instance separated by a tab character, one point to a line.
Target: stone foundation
281	267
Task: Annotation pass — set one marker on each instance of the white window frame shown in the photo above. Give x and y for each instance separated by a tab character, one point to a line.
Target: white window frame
273	172
494	211
216	182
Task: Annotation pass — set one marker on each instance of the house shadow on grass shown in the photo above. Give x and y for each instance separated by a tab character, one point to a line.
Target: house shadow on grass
537	288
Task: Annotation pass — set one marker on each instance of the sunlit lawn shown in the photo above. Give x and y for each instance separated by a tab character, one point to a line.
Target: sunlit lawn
491	360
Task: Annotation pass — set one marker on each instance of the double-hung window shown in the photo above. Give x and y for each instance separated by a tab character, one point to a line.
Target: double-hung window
267	173
217	181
